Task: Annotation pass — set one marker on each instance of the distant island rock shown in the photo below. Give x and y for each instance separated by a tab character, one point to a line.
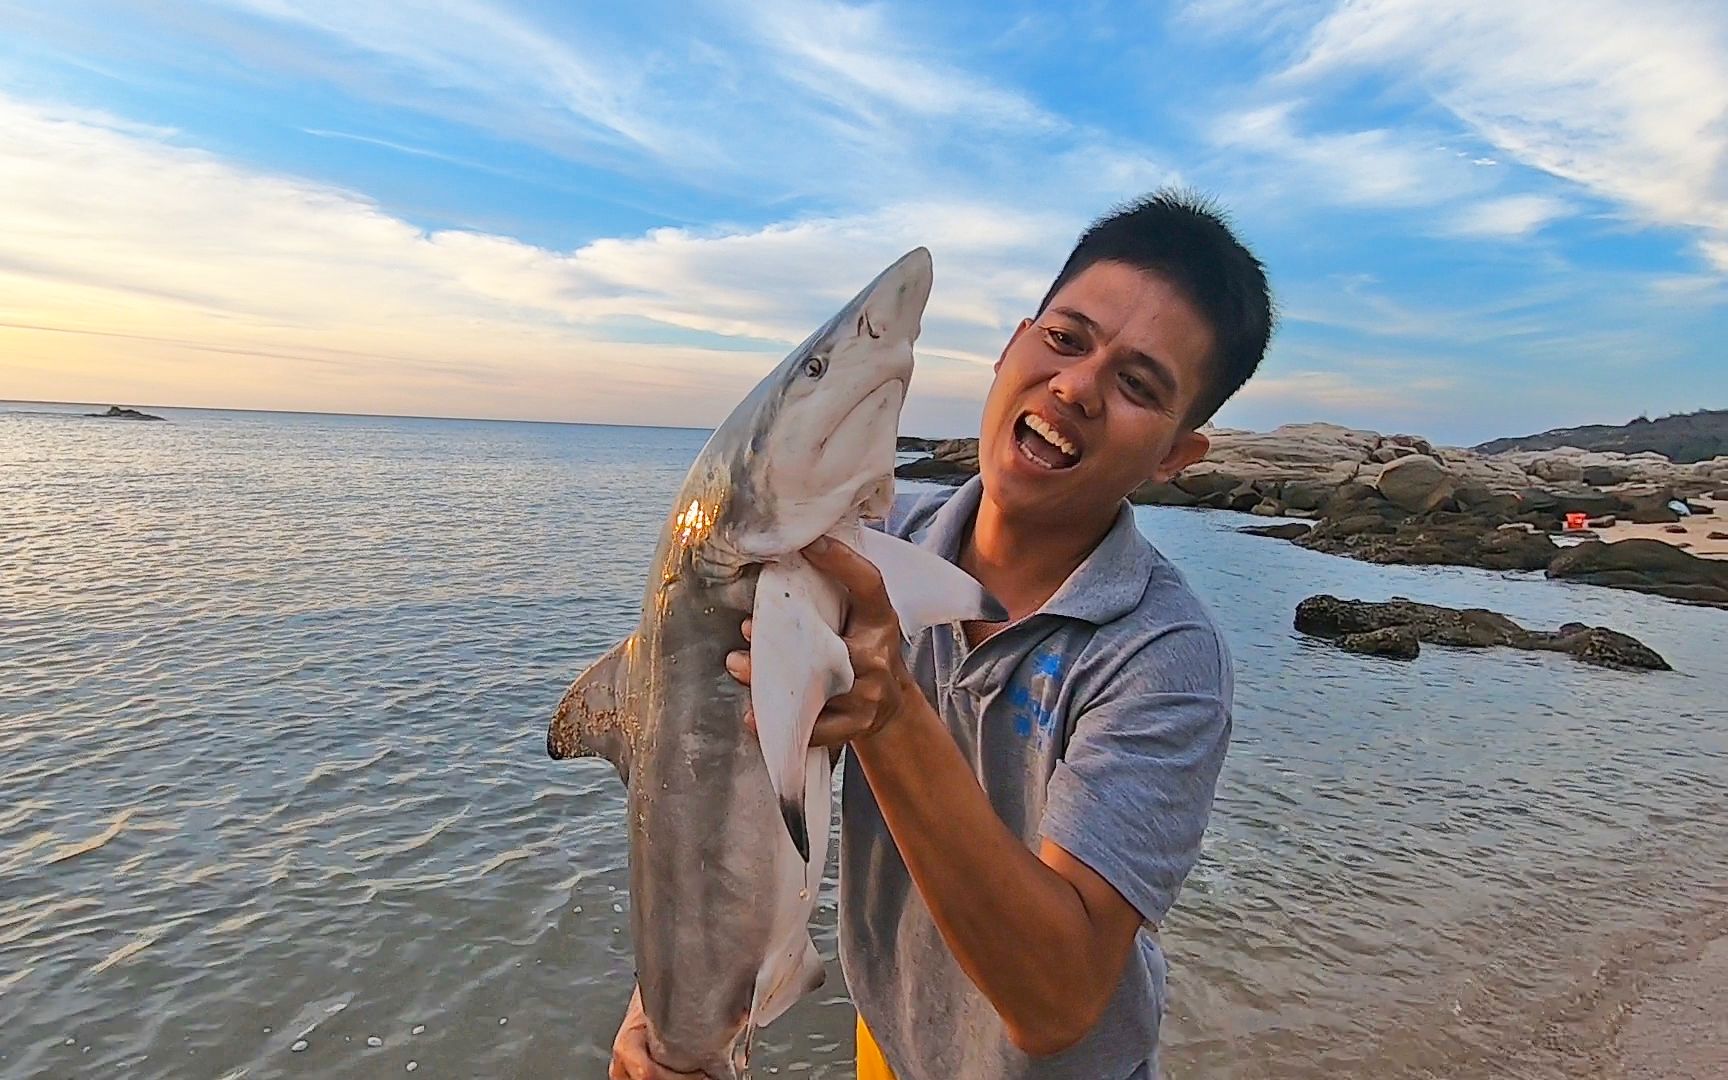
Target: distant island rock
115	412
1683	438
1399	627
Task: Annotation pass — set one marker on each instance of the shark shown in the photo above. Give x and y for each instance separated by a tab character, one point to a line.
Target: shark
728	821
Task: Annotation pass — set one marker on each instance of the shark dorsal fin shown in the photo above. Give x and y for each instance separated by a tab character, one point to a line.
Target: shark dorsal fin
594	719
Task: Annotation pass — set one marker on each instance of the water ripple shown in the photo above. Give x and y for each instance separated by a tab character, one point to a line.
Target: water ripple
272	695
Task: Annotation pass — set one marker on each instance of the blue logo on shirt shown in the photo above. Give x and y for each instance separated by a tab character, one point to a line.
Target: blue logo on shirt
1034	701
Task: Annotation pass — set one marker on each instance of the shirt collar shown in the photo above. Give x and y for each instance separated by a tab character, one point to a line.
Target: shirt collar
1108	584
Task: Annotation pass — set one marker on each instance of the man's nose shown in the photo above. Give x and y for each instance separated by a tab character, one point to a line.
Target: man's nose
1079	385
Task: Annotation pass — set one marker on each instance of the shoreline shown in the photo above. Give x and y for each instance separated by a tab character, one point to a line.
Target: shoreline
1677	1029
1694	539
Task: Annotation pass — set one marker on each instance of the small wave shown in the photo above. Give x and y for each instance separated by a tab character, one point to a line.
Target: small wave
412	843
130	949
83	847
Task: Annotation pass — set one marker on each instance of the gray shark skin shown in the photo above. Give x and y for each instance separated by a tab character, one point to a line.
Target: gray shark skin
722	820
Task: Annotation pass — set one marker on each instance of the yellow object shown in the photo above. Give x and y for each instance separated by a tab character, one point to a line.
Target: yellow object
871	1065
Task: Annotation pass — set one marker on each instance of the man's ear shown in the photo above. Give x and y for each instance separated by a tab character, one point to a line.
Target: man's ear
1188	448
1012	338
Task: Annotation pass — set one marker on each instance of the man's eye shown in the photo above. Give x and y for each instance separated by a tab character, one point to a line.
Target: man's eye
1138	388
1063	339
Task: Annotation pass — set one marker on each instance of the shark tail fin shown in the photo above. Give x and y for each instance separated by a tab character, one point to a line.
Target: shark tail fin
925	588
593	718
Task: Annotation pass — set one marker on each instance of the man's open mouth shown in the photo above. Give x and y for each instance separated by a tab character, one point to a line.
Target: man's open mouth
1044	444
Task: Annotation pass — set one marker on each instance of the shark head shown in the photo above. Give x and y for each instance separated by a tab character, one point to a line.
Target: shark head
814	442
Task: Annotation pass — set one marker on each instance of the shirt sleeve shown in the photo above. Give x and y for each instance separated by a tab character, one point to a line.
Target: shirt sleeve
1132	794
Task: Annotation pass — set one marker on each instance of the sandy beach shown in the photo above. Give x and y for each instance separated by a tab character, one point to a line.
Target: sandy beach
1678	1030
1695	538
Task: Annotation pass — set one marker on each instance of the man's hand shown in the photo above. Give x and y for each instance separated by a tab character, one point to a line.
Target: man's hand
630	1058
871	630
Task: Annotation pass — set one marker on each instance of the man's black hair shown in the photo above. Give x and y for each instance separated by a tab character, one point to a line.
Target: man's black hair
1185	238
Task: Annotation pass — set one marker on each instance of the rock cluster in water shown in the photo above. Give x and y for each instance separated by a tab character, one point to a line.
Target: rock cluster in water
1400	499
115	412
1397	629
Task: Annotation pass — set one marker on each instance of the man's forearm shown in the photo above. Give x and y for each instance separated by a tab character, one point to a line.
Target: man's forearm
1019	929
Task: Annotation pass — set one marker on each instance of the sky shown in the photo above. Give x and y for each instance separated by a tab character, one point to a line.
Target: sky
1479	219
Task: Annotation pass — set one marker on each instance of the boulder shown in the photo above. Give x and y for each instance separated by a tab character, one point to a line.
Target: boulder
936	471
1413	443
1242	498
1153	493
1602	475
1649	566
1647	506
1585	501
1417	483
1306	494
1388	629
1394	643
1267	508
1206	480
1292	530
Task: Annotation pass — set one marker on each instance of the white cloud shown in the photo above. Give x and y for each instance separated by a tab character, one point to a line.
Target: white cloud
1625	98
1510	217
182	270
854	57
1375	167
490	56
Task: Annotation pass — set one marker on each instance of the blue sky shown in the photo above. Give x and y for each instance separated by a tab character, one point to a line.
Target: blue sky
1479	219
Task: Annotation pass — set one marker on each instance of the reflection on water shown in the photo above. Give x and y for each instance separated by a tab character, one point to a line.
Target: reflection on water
273	691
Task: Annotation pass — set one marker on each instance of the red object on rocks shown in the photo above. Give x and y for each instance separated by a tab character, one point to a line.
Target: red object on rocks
1575	522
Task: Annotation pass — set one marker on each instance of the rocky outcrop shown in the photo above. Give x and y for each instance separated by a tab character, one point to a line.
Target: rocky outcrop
951	461
1399	499
115	412
1648	566
1438	539
1388	629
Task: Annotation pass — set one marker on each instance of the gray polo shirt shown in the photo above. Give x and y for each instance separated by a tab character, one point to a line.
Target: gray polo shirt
1100	722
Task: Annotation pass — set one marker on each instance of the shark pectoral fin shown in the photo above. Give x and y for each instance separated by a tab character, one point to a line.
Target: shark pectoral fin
800	973
925	588
797	662
593	717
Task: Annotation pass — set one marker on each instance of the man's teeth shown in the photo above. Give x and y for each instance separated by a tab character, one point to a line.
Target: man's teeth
1051	435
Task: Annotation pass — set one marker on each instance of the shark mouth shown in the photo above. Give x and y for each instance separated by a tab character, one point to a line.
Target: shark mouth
1045	445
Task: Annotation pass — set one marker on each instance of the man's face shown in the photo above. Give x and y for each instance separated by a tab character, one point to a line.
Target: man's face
1089	398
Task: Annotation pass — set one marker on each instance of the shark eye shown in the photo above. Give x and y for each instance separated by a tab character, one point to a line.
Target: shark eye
815	367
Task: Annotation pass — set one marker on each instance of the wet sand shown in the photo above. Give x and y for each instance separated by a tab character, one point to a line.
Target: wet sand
1695	539
1678	1030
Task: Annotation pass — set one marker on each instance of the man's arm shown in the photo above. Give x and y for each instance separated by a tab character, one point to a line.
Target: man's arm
1042	936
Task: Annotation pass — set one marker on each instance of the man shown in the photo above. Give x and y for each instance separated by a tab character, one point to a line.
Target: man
1024	799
